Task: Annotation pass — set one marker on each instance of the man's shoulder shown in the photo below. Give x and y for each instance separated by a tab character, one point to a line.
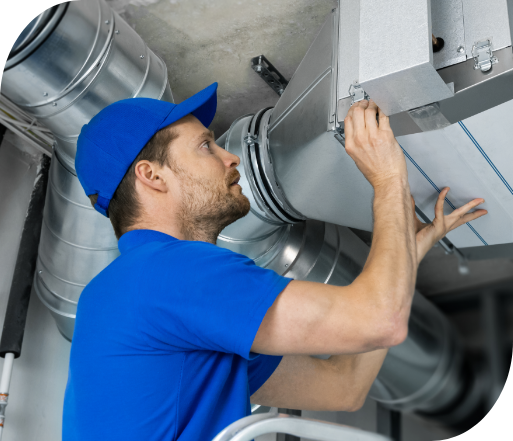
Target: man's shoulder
175	258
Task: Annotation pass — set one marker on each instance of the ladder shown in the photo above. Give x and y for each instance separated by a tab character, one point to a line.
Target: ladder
252	426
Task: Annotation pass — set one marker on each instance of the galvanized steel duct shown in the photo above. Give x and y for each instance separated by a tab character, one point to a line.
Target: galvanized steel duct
72	62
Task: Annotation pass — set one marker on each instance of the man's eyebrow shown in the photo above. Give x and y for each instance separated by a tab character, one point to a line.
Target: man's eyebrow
207	134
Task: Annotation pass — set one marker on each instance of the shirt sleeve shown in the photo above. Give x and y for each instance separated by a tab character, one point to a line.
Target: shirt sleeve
209	299
260	370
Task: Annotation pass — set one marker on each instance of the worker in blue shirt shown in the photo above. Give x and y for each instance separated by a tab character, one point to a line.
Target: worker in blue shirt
176	336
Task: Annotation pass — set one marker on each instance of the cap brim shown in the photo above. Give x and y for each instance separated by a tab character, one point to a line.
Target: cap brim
203	106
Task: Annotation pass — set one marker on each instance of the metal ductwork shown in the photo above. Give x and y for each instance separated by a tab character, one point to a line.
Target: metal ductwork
71	62
441	106
79	57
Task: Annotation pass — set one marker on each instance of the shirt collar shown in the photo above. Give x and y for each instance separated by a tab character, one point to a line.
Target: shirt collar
133	239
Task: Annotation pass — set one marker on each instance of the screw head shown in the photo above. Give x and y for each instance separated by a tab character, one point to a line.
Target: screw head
54	104
40	271
142	56
107	21
116	31
460	49
45	93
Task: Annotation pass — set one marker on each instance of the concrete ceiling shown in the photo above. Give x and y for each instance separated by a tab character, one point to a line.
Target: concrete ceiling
203	41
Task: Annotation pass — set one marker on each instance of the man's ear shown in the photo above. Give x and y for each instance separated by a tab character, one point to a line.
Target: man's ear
150	175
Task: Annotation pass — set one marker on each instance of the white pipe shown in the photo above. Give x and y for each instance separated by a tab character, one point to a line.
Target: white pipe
5	382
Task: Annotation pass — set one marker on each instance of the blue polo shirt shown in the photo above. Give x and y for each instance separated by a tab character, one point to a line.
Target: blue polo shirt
161	349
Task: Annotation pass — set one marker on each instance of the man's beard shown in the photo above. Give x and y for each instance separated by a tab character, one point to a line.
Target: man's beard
208	207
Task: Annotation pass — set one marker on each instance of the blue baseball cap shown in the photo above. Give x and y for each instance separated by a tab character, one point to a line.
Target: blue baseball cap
111	141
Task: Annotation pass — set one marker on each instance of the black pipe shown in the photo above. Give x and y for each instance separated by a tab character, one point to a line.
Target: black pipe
19	296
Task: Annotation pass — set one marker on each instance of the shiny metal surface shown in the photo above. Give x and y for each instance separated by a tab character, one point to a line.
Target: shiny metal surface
310	166
76	244
260	157
259	235
447	23
32	31
429	117
252	426
396	56
425	372
348	47
35	34
91	59
476	91
486	20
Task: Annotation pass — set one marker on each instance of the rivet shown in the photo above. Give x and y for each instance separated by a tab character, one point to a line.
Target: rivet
54	104
460	49
286	264
142	56
45	93
116	31
107	21
40	271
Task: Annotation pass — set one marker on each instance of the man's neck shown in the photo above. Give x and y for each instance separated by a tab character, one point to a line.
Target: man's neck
182	231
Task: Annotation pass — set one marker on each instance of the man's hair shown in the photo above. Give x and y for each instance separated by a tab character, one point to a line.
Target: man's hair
125	207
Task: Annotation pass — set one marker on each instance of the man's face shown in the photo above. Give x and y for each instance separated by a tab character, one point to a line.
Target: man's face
209	195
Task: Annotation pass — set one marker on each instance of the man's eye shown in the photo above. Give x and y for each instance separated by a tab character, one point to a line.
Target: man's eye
206	145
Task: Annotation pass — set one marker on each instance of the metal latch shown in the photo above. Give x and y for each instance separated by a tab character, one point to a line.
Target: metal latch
482	52
357	93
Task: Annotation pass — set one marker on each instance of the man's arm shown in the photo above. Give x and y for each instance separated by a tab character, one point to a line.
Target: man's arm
340	383
369	312
372	312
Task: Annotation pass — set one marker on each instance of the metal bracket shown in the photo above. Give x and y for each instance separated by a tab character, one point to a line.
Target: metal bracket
482	51
357	93
269	74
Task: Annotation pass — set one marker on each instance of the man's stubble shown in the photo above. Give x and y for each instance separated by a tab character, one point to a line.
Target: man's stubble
208	207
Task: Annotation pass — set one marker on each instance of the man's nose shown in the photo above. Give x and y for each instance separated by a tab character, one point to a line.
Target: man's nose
230	160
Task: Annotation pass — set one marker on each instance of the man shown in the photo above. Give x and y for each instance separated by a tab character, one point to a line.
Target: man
176	335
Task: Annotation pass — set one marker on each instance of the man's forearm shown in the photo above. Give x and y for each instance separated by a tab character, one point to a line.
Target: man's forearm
391	268
364	369
340	383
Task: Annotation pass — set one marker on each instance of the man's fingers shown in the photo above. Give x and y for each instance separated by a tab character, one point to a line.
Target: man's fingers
348	128
467	207
469	217
370	116
384	123
359	115
439	206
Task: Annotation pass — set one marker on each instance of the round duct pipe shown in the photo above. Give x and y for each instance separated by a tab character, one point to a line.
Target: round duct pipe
70	63
427	373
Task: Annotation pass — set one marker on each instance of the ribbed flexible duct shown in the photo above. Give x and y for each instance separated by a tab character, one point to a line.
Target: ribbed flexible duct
80	59
426	373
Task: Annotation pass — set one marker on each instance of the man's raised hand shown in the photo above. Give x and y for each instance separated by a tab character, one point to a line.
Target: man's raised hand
429	234
372	146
